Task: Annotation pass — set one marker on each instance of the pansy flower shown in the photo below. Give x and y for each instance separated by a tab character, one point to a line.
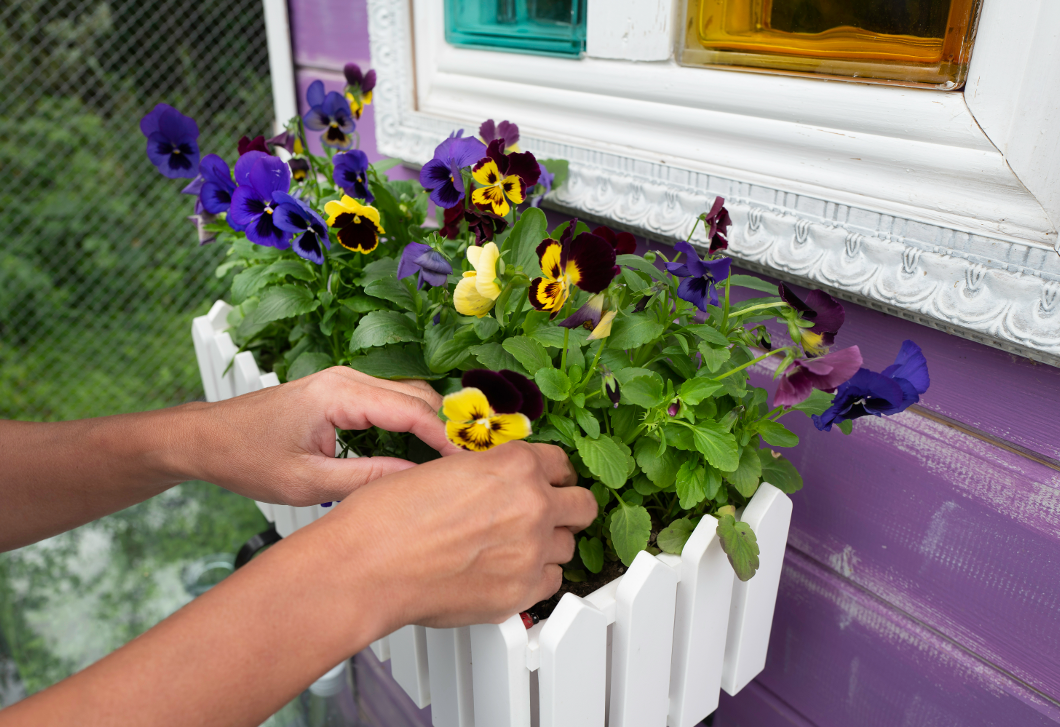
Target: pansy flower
824	372
358	87
491	409
331	114
478	290
825	312
593	316
442	175
623	242
218	187
483	224
246	144
431	265
299	169
287	140
699	277
351	174
545	183
717	222
586	261
259	176
311	234
172	142
358	225
503	178
506	132
894	390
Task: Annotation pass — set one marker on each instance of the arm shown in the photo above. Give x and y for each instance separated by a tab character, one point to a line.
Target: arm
275	445
470	538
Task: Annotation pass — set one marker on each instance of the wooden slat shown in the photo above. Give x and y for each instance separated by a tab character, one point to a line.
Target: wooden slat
245	374
642	644
222	351
203	330
703	597
751	613
573	673
501	679
408	662
285	519
381	648
449	664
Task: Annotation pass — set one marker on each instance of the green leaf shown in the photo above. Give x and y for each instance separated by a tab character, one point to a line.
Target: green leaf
709	334
284	301
384	267
591	551
740	545
522	243
486	327
635	282
679	436
553	383
662	468
495	358
846	426
817	403
638	263
529	353
644	486
634	330
747	475
360	303
630	530
383	327
601	493
552	336
694	391
673	537
392	290
779	472
713	358
645	391
394	362
308	363
565	427
559	167
777	434
691	484
589	423
607	458
717	445
749	281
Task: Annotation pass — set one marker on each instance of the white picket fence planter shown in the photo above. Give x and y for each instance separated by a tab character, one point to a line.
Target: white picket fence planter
644	650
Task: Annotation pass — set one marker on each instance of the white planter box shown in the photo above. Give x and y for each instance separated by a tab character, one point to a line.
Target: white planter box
645	650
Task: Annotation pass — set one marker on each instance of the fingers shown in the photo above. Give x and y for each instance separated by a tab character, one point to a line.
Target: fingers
360	407
560	549
555	464
551	580
343	476
574	507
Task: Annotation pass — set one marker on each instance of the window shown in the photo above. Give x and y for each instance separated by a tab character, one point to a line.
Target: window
547	27
908	42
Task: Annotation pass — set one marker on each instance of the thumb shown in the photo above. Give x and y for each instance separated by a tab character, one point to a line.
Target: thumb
340	477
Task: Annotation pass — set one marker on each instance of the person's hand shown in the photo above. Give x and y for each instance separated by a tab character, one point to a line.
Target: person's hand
278	444
472	538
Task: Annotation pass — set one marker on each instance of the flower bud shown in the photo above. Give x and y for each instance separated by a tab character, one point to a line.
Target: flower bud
673	409
650	256
610	387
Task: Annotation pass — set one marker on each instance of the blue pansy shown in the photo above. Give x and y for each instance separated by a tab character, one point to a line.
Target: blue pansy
431	265
331	114
442	174
295	216
260	177
699	277
351	174
172	141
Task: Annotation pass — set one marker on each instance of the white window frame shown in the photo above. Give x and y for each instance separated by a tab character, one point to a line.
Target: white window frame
940	207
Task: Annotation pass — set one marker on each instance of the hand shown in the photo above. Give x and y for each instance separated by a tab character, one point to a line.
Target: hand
278	444
472	538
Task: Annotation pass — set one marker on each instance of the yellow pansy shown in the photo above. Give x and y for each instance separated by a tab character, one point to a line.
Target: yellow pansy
475	426
484	259
467	300
357	224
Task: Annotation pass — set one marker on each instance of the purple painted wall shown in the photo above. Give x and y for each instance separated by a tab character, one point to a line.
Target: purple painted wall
921	582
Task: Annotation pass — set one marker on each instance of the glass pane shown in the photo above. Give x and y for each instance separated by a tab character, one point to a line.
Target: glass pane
904	42
548	27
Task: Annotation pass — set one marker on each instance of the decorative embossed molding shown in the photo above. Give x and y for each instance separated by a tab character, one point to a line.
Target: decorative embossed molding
998	288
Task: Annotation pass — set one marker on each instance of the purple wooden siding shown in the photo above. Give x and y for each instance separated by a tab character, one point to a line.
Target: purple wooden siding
921	582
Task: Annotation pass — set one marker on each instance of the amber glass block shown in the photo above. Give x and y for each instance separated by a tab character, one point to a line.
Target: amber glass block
904	42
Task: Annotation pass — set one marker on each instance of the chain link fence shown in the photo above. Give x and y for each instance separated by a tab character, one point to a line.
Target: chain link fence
100	272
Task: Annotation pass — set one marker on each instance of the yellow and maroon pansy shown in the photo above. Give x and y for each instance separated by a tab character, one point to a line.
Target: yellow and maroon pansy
491	409
357	224
503	178
586	261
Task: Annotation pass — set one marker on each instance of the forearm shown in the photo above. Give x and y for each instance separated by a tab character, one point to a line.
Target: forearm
56	476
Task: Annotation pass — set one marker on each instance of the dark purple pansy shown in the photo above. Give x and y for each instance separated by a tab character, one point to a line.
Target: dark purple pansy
299	169
824	372
545	181
298	218
442	174
351	174
699	277
246	144
172	142
431	265
365	82
507	391
718	222
483	224
506	132
284	140
331	114
259	177
894	390
825	312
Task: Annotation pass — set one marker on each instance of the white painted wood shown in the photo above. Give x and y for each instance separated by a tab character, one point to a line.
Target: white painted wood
281	63
203	330
266	510
572	677
269	379
449	665
642	644
408	663
381	648
501	679
631	30
222	351
245	374
285	519
269	510
703	598
305	515
751	613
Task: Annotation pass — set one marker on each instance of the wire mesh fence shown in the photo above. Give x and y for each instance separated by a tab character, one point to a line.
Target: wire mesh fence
100	272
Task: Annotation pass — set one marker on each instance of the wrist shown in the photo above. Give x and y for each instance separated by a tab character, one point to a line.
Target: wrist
188	442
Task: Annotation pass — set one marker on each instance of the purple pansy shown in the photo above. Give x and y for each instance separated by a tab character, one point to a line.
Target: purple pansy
894	390
718	222
825	312
260	177
246	144
698	286
216	193
431	265
442	175
172	142
298	218
351	174
354	77
545	179
284	140
824	372
331	114
506	131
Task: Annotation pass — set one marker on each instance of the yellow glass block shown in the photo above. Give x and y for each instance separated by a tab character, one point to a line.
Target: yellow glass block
903	42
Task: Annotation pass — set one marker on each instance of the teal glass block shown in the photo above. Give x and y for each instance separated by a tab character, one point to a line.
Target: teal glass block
544	27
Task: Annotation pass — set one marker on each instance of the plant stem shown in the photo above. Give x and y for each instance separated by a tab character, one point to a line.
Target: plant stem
760	306
692	231
563	356
752	362
592	367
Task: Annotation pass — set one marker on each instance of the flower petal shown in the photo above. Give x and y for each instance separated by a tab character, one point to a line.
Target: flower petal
550	255
467	300
466	405
307	246
314	95
588	315
549	295
270	174
502	395
533	403
590	263
910	365
407	265
485	261
603	330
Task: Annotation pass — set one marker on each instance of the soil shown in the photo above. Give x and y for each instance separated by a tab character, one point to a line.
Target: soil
595	581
